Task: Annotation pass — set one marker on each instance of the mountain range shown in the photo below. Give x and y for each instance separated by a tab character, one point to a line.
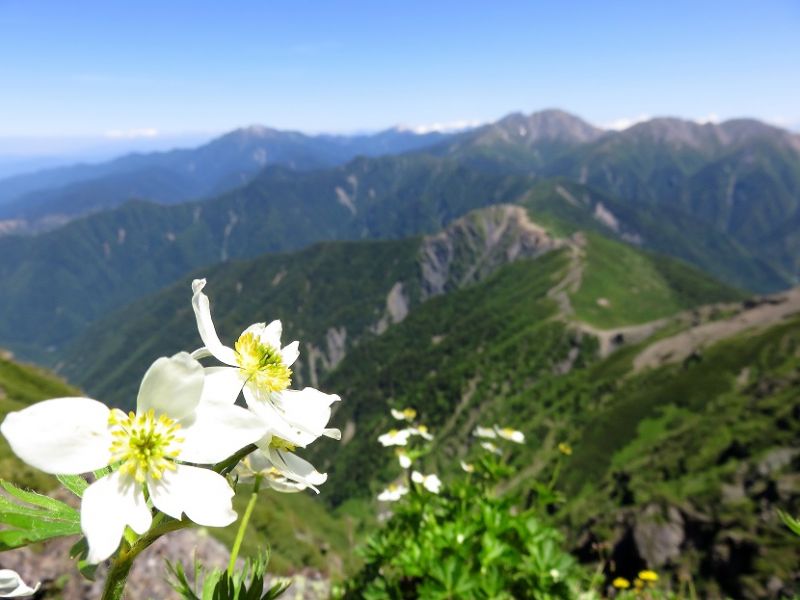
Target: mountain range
588	287
43	200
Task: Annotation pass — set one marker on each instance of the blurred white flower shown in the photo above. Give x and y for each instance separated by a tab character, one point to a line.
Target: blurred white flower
280	468
509	434
172	426
490	447
432	483
555	574
256	464
460	538
484	432
260	368
467	467
12	586
407	414
395	437
422	431
403	458
393	493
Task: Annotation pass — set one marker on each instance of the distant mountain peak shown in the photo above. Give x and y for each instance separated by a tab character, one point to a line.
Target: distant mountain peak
544	125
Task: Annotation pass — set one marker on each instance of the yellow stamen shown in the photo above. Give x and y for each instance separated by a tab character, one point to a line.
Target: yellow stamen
262	363
145	445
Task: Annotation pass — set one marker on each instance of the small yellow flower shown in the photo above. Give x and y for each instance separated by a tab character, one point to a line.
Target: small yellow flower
621	583
649	576
565	449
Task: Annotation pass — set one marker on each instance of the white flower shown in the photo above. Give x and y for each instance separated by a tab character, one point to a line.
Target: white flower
394	437
490	447
484	432
407	414
432	483
12	586
393	493
257	464
422	431
260	368
280	455
512	435
171	424
460	538
555	574
403	458
467	467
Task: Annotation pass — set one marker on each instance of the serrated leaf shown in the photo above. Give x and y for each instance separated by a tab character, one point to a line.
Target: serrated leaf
30	517
74	483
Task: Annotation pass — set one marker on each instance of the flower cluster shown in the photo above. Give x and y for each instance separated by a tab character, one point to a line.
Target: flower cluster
161	456
645	579
407	453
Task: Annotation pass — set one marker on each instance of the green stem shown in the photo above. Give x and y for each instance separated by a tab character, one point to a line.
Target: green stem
237	544
121	567
556	473
227	465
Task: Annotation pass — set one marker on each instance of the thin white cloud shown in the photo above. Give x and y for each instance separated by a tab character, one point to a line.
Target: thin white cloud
712	118
447	127
625	122
131	134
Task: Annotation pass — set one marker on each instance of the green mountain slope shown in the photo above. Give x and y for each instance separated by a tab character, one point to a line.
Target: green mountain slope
739	178
684	443
106	260
330	296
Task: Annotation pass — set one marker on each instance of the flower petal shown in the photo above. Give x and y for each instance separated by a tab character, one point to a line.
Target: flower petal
202	494
271	334
283	485
202	312
61	436
108	505
290	353
202	352
171	386
12	586
217	431
222	385
298	416
295	468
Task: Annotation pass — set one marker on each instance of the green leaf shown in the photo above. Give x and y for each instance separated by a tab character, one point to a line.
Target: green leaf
80	550
74	483
30	517
790	522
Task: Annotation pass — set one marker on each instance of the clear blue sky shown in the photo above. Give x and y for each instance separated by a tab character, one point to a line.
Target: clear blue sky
86	68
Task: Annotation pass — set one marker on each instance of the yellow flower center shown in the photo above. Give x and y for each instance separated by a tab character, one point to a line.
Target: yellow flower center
409	414
145	445
262	363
